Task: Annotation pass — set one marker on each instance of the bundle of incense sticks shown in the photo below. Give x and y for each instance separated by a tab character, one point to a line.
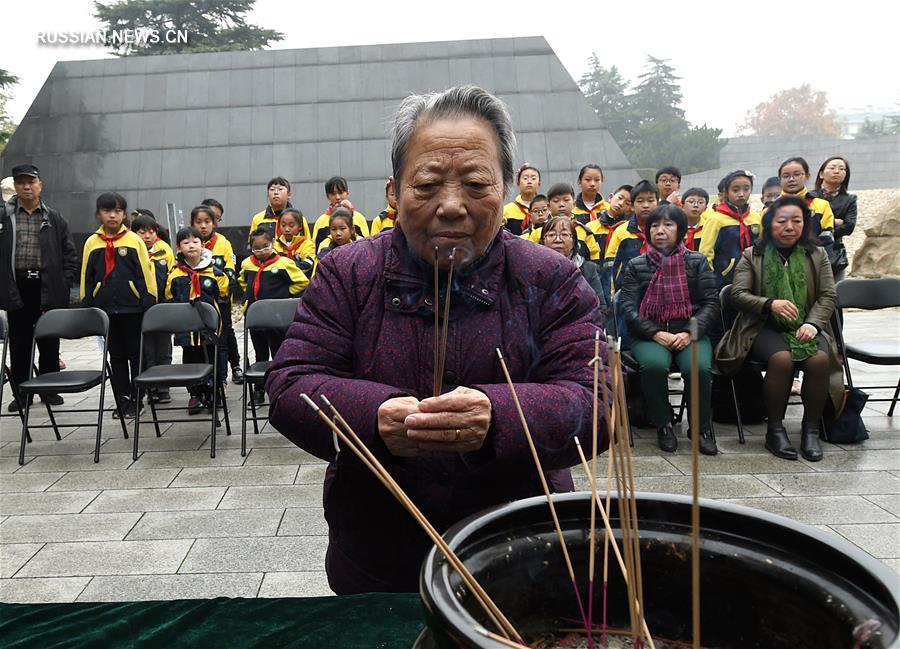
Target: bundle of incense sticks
440	336
342	429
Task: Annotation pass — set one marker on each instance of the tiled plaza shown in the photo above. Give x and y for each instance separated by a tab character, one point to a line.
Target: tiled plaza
177	524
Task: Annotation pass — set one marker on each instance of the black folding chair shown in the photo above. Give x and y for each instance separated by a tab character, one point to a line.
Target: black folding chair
180	318
871	295
261	315
69	324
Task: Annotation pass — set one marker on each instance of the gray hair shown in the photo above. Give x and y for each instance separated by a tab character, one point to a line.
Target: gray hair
461	101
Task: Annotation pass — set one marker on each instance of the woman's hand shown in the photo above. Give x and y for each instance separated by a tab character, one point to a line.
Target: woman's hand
391	415
786	309
454	422
680	341
664	338
806	332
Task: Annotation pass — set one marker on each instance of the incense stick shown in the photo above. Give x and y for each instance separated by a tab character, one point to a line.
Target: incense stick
497	638
437	296
540	470
609	534
443	348
610	426
596	362
695	504
349	437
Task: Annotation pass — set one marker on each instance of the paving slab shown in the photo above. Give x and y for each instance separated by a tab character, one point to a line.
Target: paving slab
49	463
46	502
713	486
180	459
838	482
303	521
230	476
122	479
220	523
157	500
67	527
881	541
280	455
41	590
15	555
283	553
295	584
279	496
20	482
889	502
827	510
164	587
107	558
746	463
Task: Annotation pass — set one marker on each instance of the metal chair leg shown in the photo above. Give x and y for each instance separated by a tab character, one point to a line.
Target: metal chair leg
225	409
155	417
137	429
737	413
118	403
214	418
894	402
244	418
99	422
52	420
255	415
25	434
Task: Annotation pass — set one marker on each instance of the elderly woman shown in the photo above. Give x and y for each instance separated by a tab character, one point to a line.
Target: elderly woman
559	234
661	291
784	293
363	337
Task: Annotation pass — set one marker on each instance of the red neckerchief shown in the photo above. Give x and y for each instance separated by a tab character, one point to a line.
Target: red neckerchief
291	248
689	237
260	267
211	243
745	239
194	293
109	255
389	213
639	233
524	210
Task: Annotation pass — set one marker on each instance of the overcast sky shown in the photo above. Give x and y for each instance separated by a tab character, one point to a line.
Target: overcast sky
730	56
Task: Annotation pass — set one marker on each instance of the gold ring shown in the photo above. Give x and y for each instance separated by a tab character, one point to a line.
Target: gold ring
456	437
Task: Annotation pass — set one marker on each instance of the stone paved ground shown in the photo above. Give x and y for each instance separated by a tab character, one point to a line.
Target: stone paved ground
177	524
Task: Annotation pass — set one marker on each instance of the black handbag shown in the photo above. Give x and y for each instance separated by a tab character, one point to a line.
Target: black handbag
840	260
847	427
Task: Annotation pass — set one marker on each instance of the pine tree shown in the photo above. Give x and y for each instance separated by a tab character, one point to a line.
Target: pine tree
211	25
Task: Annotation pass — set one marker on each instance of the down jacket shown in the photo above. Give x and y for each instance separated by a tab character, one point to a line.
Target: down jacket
701	284
364	333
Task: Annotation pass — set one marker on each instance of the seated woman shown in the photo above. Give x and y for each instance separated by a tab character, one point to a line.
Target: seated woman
559	234
661	291
784	294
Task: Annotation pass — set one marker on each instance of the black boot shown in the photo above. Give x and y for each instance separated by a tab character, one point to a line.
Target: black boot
777	442
810	448
665	435
708	443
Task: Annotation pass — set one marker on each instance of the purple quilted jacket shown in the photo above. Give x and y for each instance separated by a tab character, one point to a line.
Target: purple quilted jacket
364	333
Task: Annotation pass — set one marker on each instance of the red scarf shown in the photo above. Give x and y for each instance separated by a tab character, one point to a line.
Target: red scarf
260	267
211	243
525	212
643	237
290	249
667	297
689	237
109	255
195	292
746	240
389	213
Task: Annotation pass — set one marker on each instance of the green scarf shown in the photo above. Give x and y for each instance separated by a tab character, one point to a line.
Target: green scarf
787	281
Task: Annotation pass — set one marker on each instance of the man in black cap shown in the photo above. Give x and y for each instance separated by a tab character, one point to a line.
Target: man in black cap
38	264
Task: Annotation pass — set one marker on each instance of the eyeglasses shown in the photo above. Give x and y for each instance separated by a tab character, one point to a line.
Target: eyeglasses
538	212
794	176
695	203
667	180
558	236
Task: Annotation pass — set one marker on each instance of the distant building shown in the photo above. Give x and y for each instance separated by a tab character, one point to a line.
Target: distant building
180	128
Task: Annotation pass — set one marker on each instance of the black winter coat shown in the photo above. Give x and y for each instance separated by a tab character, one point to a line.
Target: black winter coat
701	284
844	208
59	259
